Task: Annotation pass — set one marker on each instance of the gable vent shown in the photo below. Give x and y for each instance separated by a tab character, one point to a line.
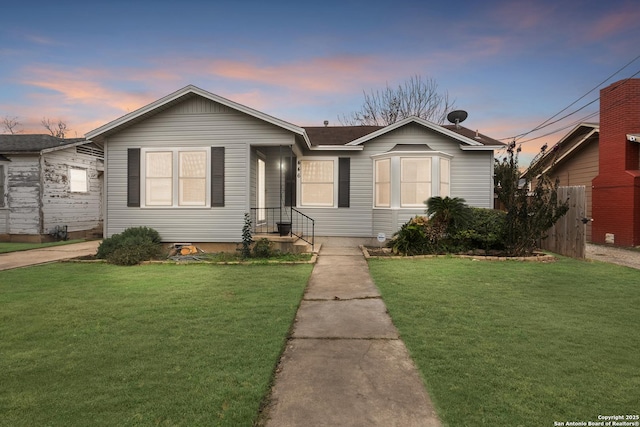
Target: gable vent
90	151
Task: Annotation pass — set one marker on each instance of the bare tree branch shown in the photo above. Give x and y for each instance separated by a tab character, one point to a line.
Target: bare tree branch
415	97
55	129
10	124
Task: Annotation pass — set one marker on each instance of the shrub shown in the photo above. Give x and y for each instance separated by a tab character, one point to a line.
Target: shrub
263	248
247	239
484	230
417	236
130	247
530	212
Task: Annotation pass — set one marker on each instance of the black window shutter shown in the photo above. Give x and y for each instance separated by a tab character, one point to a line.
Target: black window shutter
217	176
133	177
290	181
344	181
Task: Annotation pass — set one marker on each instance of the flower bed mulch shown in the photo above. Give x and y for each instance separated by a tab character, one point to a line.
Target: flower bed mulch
378	252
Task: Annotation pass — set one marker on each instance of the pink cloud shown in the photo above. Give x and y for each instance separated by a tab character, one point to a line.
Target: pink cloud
614	22
332	74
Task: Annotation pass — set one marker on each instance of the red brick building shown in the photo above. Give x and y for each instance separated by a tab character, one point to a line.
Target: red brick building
616	189
605	159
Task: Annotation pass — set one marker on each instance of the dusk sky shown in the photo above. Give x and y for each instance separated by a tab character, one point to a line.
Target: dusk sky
510	64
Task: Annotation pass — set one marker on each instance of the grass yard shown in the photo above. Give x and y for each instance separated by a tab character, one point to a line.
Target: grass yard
518	344
14	247
162	345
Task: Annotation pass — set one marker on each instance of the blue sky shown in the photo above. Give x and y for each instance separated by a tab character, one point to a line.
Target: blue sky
510	64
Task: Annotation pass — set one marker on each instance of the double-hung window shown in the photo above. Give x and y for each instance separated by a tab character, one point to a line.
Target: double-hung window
383	183
415	181
176	177
317	183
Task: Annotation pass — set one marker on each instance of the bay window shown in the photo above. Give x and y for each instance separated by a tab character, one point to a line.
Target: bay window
415	181
383	183
408	179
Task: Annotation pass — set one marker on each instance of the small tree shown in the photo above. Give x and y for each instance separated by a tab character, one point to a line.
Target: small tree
55	129
452	213
415	97
10	125
530	199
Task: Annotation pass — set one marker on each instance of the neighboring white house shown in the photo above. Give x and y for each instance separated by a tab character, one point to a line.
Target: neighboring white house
49	184
191	164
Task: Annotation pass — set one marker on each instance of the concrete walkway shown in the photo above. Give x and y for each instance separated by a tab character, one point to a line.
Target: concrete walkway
345	364
45	255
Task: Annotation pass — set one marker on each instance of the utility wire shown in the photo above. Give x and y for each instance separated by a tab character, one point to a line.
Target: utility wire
546	122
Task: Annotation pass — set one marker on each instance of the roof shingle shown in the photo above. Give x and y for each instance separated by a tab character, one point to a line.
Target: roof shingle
32	143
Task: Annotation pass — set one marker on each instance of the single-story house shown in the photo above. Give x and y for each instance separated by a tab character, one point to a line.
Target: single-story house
192	163
574	162
605	159
50	188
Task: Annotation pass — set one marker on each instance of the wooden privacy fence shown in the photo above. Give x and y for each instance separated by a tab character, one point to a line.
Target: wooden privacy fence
568	236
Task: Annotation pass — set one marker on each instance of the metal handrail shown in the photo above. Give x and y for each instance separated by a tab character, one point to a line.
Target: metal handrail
267	220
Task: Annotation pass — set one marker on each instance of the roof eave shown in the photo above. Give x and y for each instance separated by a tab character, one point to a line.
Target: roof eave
480	147
336	148
582	140
419	121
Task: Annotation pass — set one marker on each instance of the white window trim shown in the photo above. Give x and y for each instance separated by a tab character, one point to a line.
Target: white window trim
86	180
335	183
395	157
175	181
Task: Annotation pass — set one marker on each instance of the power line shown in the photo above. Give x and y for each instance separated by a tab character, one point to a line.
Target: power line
546	122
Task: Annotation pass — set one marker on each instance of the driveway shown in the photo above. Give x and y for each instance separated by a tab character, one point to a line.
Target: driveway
626	257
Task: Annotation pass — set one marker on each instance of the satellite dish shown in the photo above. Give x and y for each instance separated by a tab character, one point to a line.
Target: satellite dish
457	117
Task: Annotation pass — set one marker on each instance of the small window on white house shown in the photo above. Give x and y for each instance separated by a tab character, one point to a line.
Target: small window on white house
78	180
415	181
317	182
383	183
445	173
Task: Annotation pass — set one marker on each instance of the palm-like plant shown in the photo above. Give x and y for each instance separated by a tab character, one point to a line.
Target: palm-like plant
451	213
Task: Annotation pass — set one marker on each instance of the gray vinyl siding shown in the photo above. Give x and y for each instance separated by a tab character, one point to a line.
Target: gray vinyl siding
78	211
471	179
196	122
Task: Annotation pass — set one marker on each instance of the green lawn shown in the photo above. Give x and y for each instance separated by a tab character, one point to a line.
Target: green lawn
161	345
14	247
518	344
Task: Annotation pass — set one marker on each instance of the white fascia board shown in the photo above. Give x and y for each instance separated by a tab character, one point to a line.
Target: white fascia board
412	154
418	120
633	137
208	95
336	148
572	149
481	147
